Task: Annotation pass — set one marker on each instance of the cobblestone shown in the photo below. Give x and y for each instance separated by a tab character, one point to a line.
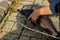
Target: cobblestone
1	14
32	34
4	4
33	38
24	38
12	18
41	2
11	0
10	37
29	0
55	21
28	33
17	29
14	14
8	25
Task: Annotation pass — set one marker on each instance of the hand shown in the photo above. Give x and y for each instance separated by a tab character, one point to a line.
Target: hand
37	12
34	16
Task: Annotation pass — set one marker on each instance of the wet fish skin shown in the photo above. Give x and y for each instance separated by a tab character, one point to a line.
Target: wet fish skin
46	24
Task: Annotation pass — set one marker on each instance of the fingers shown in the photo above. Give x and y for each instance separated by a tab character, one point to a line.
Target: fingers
33	19
30	16
34	16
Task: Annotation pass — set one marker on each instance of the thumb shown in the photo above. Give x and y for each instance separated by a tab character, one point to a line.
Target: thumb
29	16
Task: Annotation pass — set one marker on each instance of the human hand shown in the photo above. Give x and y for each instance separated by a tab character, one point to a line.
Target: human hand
34	16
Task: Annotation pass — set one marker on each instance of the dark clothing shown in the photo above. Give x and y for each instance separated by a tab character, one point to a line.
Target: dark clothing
55	6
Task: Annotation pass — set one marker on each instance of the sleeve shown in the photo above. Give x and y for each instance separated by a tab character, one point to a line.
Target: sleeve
53	5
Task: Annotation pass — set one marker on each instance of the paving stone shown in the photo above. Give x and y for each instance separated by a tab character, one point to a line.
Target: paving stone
8	25
39	39
14	27
28	33
14	14
10	37
41	2
2	11
4	4
0	25
2	33
55	19
17	29
1	14
12	18
33	38
24	38
46	38
57	26
28	0
19	6
0	18
26	3
31	33
0	0
11	0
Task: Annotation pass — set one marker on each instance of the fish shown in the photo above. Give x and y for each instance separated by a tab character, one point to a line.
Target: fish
46	23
